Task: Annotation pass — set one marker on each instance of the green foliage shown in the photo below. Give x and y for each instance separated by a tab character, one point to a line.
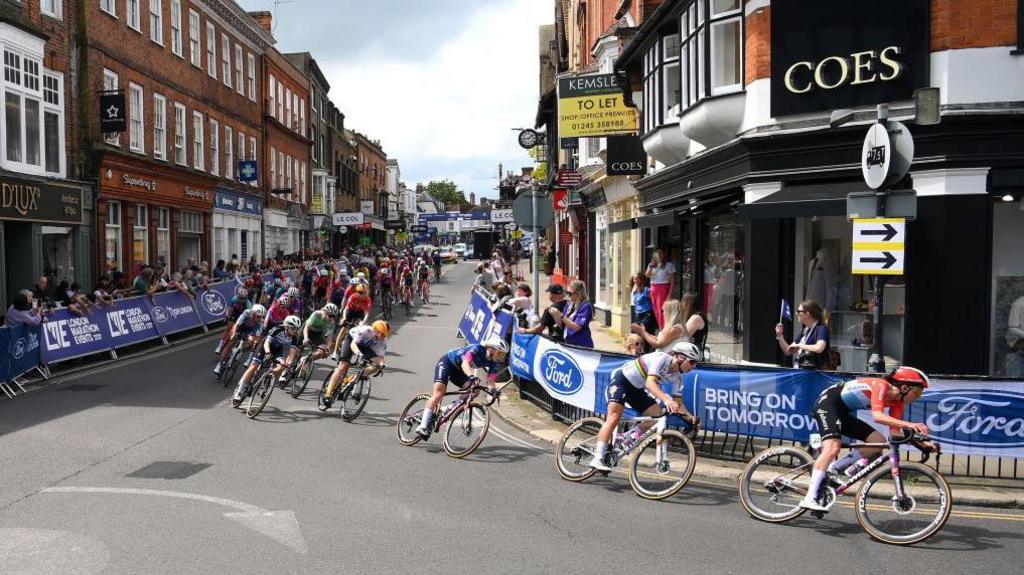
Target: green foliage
541	171
447	192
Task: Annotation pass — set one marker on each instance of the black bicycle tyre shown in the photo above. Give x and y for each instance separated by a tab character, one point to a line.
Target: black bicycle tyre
454	425
748	473
944	496
411	422
298	378
568	474
229	372
267	382
360	389
634	463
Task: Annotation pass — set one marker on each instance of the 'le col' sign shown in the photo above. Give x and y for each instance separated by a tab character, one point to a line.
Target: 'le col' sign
847	53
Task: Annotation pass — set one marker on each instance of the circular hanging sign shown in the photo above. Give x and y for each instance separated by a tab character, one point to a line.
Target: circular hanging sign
875	158
528	139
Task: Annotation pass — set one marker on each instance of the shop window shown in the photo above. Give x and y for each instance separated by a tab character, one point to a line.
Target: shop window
1008	287
140	242
113	236
176	27
163	236
724	239
58	250
603	259
156	21
159	127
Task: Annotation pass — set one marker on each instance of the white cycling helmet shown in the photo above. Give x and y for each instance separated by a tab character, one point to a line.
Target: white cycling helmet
496	343
243	293
330	309
292	321
687	350
258	310
360	275
293	291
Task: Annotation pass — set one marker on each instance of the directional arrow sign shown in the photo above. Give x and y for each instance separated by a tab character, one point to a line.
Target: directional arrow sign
878	246
880	230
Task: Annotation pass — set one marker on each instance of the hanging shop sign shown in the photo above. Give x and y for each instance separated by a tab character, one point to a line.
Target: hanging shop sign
39	202
878	246
113	119
248	171
560	199
626	156
231	201
366	206
568	178
347	219
592	106
847	53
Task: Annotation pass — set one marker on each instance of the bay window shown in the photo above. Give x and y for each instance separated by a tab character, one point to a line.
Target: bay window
712	49
32	120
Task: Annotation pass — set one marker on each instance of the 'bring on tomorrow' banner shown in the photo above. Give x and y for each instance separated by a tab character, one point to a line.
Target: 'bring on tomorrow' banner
975	417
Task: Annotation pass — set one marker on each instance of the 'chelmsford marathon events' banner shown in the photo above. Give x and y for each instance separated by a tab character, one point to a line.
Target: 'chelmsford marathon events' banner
592	106
479	321
980	417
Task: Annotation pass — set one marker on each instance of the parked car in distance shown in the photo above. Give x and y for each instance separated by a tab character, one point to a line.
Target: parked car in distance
460	250
448	255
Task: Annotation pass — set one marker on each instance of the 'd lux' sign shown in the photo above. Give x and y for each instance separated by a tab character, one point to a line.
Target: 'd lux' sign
845	53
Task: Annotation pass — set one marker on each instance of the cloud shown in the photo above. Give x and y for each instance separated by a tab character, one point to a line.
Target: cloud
440	83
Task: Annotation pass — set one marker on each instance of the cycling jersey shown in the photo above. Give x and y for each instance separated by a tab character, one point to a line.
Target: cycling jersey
476	355
319	322
655	364
238	305
366	336
338	290
279	341
247	323
407	279
359	302
278	312
424	272
322	282
869	393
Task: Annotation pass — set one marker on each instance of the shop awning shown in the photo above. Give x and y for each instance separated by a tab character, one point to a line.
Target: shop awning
801	202
656	220
622	226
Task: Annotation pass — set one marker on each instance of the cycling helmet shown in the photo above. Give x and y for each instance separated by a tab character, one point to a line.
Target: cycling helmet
687	350
496	343
285	299
909	376
361	288
330	309
292	321
360	276
243	293
258	310
382	327
293	291
324	272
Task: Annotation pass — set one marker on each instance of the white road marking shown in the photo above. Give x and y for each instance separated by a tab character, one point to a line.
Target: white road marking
509	438
281	526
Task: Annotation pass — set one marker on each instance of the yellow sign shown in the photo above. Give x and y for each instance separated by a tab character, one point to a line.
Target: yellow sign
517	234
878	246
317	206
592	106
401	237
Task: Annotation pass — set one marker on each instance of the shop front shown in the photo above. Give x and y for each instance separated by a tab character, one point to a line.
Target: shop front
300	227
237	229
150	215
278	237
45	229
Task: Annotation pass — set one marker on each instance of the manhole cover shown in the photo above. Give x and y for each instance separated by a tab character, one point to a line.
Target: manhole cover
169	470
82	387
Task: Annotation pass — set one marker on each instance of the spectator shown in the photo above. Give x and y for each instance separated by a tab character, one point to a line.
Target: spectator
64	298
102	294
663	282
219	272
810	350
643	309
635	345
577	316
143	284
479	279
78	299
693	330
42	292
497	266
547	320
522	303
24	310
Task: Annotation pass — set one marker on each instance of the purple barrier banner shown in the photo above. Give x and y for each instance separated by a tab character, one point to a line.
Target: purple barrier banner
5	363
291	274
129	322
67	336
212	303
172	312
24	349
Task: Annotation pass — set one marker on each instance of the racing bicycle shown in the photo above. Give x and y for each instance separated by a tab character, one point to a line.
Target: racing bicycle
661	460
230	367
901	503
353	392
260	388
468	419
385	304
298	378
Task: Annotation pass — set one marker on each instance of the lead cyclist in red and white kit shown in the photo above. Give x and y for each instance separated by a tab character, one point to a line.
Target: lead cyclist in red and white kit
836	414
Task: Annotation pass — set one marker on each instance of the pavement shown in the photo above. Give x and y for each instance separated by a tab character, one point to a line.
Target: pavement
140	466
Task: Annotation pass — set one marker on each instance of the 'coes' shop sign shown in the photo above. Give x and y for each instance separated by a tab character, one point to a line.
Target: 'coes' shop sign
844	54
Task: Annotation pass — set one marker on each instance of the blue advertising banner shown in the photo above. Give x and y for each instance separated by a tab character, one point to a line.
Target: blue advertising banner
129	322
291	274
172	312
67	336
24	349
5	362
230	200
479	321
976	417
213	303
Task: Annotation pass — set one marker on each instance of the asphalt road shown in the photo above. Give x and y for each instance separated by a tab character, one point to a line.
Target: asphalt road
141	467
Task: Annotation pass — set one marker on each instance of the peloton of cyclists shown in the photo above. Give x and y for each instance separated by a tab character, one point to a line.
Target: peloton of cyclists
366	341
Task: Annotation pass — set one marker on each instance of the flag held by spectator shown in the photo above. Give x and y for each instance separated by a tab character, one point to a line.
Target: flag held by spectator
785	311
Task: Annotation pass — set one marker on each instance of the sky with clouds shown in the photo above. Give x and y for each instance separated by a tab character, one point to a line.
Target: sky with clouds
439	82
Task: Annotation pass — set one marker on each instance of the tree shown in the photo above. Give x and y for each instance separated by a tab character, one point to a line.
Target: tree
540	172
446	192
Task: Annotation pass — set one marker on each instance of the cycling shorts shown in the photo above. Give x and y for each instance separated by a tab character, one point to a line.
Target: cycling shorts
364	350
243	331
835	419
316	338
621	391
355	317
445	372
258	356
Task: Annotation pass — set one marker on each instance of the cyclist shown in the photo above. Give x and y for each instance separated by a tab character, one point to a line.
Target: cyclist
238	304
309	275
357	307
281	308
638	383
278	343
321	287
339	288
366	341
835	412
317	331
407	284
436	257
385	284
246	328
423	275
459	366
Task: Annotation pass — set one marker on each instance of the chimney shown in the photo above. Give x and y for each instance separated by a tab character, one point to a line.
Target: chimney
472	198
528	172
264	19
419	188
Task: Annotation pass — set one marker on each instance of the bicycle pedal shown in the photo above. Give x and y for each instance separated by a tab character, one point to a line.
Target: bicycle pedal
818	514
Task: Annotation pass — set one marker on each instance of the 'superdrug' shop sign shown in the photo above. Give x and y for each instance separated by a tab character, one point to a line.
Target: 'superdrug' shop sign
845	53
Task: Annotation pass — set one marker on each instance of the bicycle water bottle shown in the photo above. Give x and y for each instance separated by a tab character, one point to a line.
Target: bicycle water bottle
856	467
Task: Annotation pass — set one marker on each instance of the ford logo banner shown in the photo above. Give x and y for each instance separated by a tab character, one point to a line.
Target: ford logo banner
561	372
991	420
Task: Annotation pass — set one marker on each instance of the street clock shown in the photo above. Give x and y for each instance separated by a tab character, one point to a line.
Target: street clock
528	139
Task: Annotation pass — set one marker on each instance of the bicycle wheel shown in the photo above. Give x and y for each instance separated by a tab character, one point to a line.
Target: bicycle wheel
260	393
466	430
354	398
576	448
657	472
917	515
410	419
773	483
229	372
299	382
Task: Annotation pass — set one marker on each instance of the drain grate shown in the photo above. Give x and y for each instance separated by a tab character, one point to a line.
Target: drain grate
82	387
169	470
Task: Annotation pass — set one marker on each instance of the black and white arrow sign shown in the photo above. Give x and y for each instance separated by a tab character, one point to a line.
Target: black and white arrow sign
885	230
886	260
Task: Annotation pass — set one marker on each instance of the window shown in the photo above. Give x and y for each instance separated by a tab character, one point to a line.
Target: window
295	113
163	236
316	158
109	6
671	85
140	243
136	126
302	174
1007	289
280	169
134	18
287	118
274	183
711	54
280	102
109	84
159	127
179	135
52	8
191	222
198	156
252	156
273	96
193	39
225	58
156	21
215	147
251	61
176	27
302	117
724	238
32	133
229	153
239	71
211	52
241	147
53	123
288	173
113	236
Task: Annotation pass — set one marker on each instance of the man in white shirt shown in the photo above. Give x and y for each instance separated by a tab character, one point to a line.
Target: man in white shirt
1015	339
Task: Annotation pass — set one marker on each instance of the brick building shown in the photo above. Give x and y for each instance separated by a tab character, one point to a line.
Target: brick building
46	221
346	170
319	151
373	193
190	72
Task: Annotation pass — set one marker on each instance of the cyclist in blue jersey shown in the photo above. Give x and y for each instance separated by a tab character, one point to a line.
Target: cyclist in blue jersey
277	344
459	366
238	304
246	328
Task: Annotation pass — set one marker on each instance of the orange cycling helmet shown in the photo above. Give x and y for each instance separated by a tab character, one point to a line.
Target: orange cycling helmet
382	327
361	288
